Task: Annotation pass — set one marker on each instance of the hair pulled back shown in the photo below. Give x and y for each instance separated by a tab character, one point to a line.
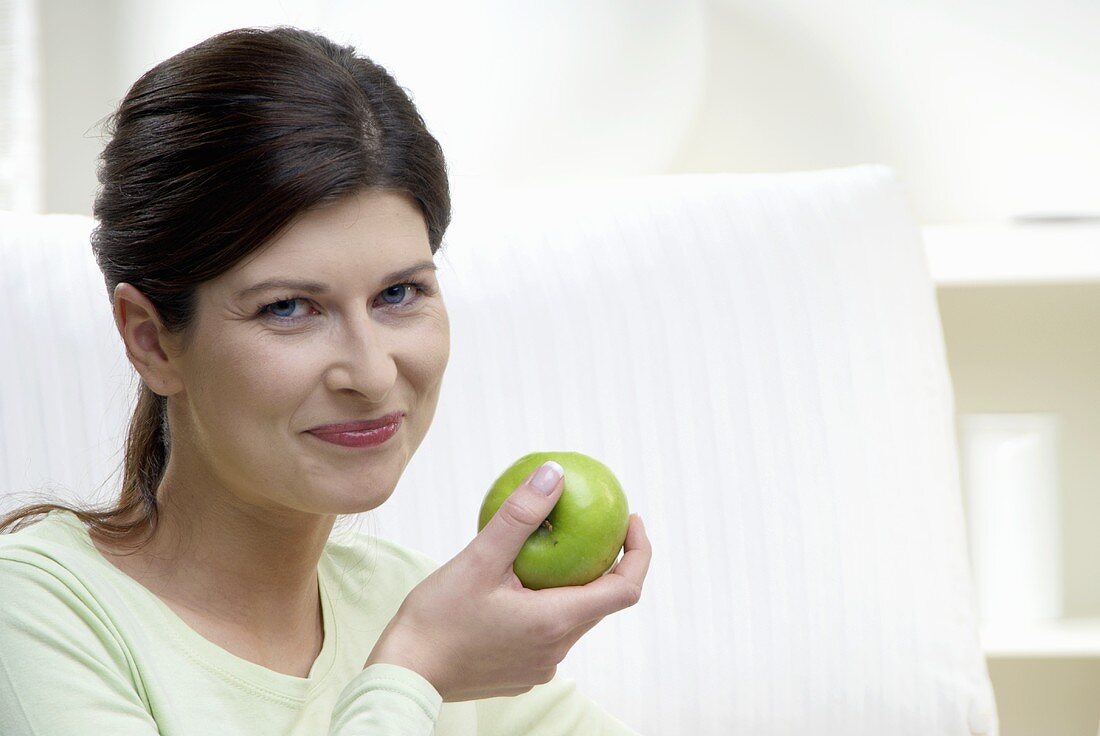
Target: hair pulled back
213	153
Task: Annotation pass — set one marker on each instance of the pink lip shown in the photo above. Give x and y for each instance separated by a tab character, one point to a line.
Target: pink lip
361	438
360	426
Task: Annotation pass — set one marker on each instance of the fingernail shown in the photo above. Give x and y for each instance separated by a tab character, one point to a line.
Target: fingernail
547	477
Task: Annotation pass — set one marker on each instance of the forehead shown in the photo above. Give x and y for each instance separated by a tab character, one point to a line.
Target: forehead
373	230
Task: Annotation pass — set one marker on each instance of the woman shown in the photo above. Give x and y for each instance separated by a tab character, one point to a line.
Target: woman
269	208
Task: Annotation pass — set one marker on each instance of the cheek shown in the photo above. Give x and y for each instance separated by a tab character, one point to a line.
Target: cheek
257	378
430	351
256	392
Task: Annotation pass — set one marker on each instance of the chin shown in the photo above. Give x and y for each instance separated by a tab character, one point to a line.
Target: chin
360	499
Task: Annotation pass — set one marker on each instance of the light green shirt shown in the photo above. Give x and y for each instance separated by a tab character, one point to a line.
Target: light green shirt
86	649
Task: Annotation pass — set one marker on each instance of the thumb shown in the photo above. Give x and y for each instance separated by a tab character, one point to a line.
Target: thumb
519	516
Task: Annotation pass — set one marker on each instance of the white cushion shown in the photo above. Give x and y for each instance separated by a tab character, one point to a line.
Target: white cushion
757	357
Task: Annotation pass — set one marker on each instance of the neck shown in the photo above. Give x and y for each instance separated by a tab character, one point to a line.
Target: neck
233	562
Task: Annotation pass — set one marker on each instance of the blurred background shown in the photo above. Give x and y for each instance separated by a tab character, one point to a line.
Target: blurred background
987	111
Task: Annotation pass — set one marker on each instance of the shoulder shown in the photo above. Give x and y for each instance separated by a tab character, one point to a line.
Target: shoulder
44	562
40	551
52	618
36	590
49	598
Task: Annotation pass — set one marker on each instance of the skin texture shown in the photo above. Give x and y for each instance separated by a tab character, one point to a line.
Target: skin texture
248	499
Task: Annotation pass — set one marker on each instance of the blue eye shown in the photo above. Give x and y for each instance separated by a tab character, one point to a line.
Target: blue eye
399	287
397	291
271	308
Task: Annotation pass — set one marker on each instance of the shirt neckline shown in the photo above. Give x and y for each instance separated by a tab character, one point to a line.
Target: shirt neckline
214	657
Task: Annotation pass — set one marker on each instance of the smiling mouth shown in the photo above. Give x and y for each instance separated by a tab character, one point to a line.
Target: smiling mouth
361	438
359	425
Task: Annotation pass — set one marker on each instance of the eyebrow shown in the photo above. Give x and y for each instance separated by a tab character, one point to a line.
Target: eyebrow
315	287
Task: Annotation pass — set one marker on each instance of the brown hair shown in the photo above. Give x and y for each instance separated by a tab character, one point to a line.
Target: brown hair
214	152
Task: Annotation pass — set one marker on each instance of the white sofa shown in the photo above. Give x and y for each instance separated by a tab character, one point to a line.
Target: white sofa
758	358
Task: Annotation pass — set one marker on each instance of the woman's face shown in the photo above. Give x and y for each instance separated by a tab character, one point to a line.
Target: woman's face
266	365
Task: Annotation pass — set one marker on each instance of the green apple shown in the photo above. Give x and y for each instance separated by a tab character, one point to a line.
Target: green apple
585	531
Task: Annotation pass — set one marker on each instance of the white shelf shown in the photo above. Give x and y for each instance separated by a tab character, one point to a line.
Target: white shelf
975	254
1071	637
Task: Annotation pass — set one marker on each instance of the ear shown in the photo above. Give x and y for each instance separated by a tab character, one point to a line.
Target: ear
148	344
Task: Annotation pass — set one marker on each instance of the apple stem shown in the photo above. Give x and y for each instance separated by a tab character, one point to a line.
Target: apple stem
546	523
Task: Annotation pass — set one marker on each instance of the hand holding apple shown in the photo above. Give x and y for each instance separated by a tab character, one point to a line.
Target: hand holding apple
473	631
580	539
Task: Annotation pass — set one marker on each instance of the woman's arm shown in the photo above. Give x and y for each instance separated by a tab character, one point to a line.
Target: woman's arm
386	699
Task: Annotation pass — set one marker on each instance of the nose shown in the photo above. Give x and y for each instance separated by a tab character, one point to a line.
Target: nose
363	361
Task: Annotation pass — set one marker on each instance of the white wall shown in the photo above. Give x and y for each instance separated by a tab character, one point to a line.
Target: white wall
986	109
514	89
78	60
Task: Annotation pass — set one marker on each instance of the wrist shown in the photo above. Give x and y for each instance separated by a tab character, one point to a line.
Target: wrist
383	653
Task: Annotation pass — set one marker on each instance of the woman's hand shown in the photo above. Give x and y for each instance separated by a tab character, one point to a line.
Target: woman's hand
473	631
